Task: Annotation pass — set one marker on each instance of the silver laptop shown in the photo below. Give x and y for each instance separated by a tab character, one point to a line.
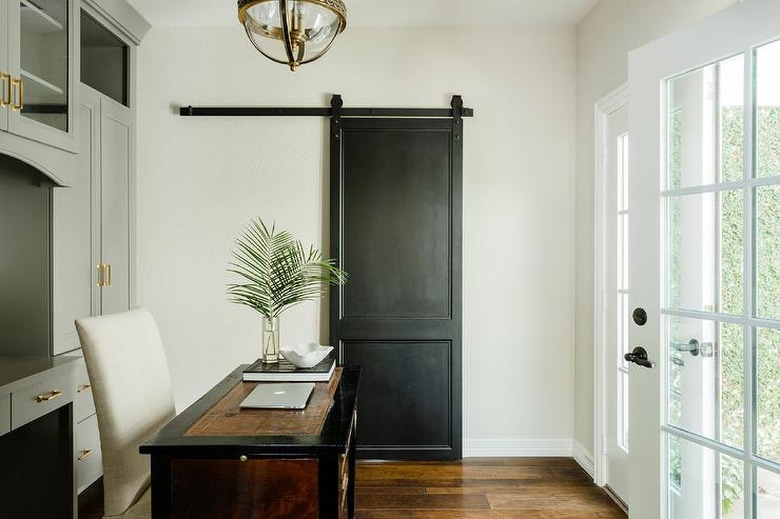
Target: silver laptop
279	395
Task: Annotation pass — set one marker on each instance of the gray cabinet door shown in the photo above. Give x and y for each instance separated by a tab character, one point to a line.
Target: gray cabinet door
75	243
396	229
115	207
92	220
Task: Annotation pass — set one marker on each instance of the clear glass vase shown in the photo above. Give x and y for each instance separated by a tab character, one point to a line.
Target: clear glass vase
270	340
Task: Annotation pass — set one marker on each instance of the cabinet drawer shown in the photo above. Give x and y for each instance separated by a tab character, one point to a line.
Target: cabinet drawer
83	403
5	414
40	398
89	460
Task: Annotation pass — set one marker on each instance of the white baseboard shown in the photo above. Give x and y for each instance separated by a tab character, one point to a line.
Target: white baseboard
584	458
516	448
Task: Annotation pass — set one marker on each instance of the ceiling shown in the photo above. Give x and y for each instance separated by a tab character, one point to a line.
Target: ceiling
385	13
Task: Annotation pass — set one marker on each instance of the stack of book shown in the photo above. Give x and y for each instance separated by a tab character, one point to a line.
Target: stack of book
286	371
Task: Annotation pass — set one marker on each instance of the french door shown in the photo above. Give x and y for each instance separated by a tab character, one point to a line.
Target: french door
615	312
704	264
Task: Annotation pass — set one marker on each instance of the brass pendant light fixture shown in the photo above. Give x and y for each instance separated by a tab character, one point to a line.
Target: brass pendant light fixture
292	31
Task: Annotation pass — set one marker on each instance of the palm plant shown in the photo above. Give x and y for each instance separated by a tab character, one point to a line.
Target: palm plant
278	273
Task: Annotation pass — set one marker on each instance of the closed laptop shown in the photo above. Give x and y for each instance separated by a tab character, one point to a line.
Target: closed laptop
280	395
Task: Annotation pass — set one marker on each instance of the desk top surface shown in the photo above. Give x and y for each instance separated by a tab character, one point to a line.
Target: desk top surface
214	426
227	418
17	372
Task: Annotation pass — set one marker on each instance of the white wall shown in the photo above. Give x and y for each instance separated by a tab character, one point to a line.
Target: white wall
604	38
201	179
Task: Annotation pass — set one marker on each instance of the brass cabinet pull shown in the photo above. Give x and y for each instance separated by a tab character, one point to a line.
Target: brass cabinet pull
104	274
5	84
85	387
45	398
84	454
19	103
243	457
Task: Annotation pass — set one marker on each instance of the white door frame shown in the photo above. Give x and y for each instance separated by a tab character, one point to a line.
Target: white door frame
603	108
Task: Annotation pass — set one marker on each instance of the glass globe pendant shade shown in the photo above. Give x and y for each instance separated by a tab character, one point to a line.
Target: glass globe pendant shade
292	31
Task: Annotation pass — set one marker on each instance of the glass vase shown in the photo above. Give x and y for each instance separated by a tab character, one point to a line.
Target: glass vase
270	340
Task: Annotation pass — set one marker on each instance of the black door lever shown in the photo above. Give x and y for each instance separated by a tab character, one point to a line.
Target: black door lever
638	356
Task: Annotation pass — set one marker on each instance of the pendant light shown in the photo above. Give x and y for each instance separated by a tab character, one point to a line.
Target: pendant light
292	31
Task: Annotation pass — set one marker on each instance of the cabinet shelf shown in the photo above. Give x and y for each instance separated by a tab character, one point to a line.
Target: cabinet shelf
42	84
35	18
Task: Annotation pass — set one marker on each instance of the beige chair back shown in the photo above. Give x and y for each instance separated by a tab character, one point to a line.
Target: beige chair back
133	398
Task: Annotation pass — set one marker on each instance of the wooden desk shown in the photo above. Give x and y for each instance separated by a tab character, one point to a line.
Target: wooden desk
217	460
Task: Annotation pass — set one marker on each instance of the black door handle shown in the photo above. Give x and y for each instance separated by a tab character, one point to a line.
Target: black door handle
638	356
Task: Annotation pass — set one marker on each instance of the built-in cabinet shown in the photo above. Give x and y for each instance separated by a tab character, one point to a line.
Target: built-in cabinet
92	235
38	70
92	220
92	249
74	124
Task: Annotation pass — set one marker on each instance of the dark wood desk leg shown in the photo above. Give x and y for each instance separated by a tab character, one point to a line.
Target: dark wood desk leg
328	486
161	487
351	461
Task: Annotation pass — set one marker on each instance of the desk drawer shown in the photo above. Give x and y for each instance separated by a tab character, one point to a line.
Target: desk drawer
83	403
5	414
38	399
88	456
251	489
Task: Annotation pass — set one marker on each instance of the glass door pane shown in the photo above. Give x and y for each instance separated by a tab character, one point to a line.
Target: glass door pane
705	251
768	494
768	394
705	379
703	484
767	253
704	125
768	110
44	61
104	60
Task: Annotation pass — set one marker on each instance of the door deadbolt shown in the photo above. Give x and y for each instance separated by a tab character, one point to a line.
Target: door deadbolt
639	316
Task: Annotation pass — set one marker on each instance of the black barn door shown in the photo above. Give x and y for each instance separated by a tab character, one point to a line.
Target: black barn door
396	211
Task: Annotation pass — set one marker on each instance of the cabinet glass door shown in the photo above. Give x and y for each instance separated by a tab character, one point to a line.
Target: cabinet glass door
42	93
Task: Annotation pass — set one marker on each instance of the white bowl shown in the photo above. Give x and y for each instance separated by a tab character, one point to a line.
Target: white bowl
306	355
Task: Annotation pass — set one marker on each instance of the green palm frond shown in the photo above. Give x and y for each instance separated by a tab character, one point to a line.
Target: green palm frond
277	271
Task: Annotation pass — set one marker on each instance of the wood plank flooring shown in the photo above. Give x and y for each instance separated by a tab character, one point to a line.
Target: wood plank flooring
489	488
474	488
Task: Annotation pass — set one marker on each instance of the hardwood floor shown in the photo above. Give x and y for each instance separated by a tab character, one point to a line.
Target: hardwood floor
507	488
475	488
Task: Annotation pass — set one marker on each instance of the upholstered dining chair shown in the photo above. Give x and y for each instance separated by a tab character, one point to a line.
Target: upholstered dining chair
133	396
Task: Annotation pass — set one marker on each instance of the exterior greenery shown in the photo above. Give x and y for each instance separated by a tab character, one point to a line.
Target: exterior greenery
732	339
